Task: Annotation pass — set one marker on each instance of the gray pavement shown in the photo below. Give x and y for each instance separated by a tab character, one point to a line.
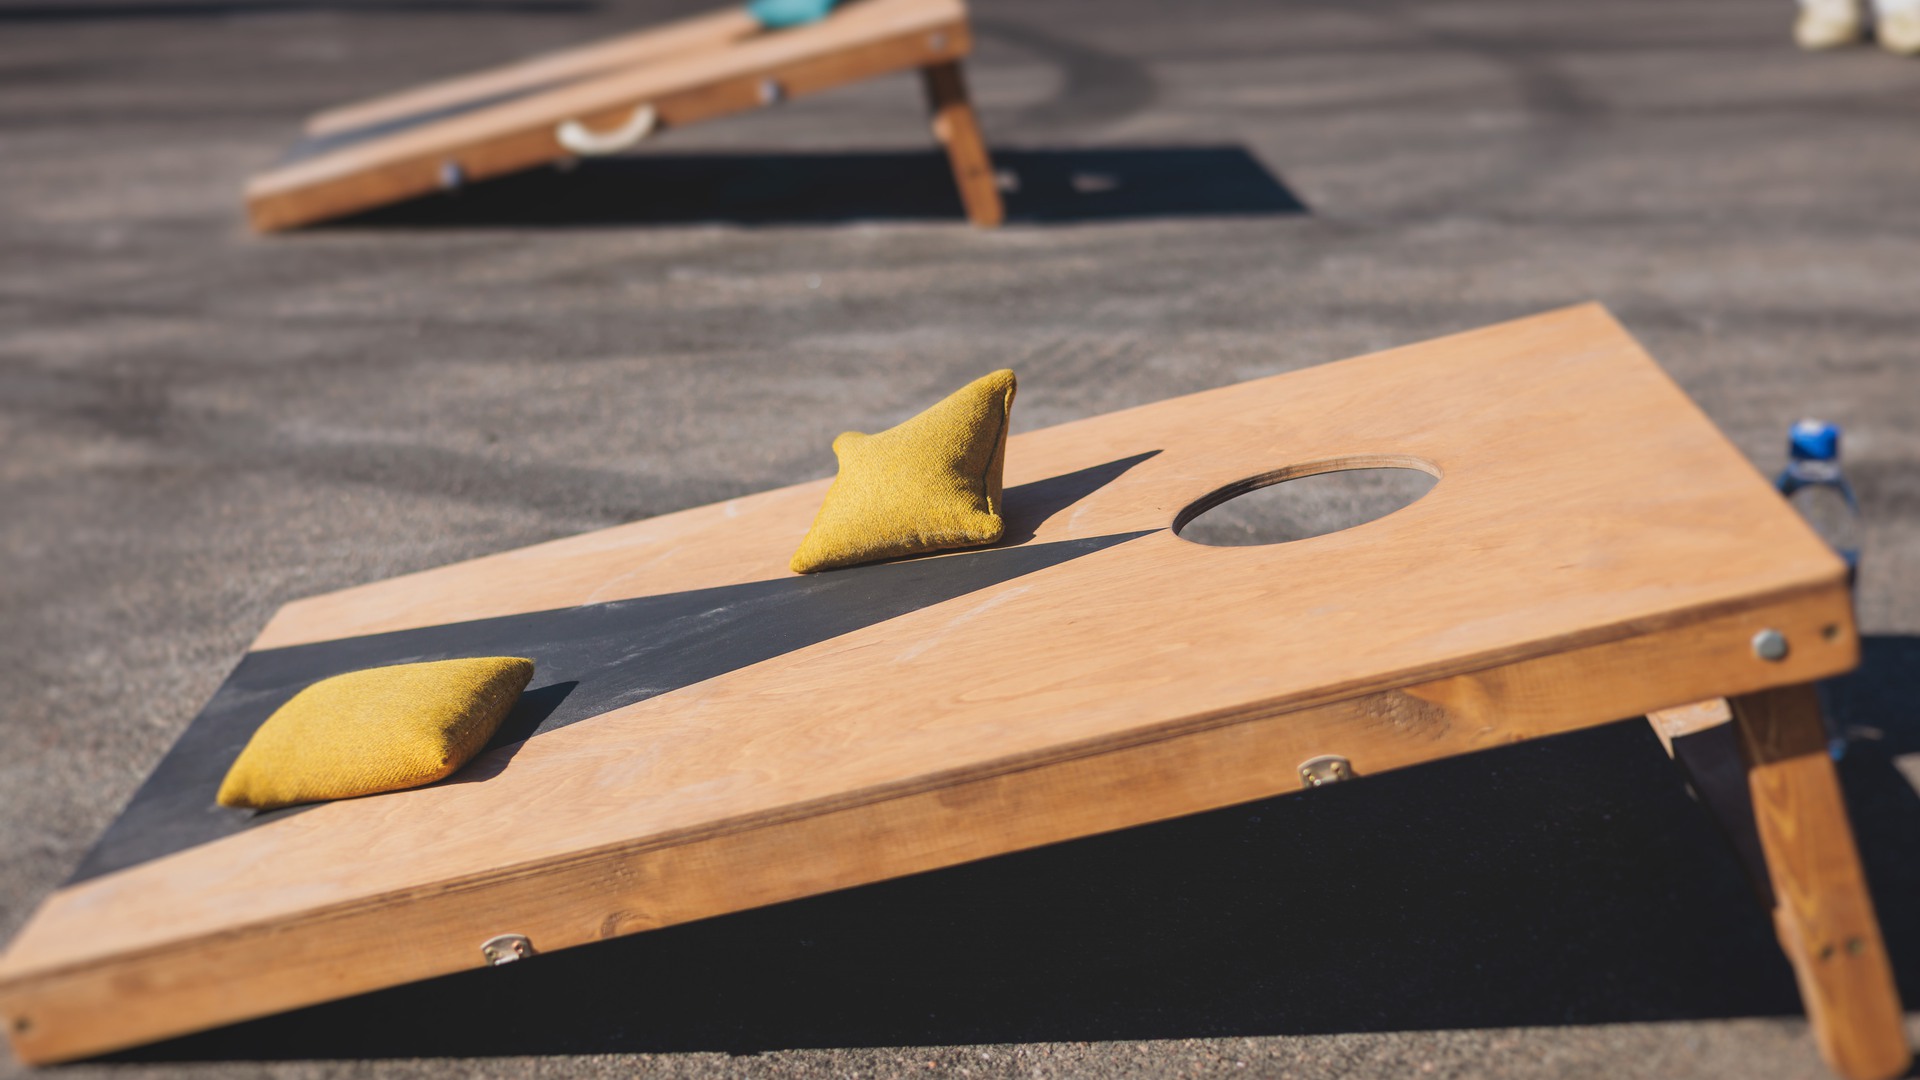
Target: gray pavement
197	425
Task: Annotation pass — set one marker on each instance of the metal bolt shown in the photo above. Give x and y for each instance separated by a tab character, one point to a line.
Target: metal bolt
937	42
1770	645
770	91
452	176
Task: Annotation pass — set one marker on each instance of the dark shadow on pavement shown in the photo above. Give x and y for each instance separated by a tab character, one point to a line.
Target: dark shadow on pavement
1040	186
1564	881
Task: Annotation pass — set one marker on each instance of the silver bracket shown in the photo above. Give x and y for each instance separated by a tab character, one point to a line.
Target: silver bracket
506	948
1325	769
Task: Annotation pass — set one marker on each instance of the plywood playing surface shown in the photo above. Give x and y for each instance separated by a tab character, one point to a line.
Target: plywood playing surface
471	128
1593	549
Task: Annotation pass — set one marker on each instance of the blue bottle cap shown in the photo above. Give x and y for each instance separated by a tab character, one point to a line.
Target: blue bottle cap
1814	440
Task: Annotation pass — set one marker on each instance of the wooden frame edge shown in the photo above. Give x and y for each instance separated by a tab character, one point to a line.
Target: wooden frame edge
111	1003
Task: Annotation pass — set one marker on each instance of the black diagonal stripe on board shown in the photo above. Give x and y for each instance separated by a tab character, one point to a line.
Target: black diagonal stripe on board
588	660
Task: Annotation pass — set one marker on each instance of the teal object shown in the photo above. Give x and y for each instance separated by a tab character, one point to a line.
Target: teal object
780	14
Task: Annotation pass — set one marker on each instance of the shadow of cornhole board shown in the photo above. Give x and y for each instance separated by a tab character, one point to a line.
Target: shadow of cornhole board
605	98
708	732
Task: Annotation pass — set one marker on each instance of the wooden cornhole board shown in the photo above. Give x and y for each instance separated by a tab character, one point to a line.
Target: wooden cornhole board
715	733
605	97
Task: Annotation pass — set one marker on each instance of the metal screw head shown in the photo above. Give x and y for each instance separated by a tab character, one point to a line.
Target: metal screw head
506	948
937	41
452	176
1770	645
770	91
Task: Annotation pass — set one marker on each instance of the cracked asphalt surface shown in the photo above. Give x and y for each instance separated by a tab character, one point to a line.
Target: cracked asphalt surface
197	425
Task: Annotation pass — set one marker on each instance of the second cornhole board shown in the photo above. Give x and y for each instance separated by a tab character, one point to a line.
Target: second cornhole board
710	732
602	97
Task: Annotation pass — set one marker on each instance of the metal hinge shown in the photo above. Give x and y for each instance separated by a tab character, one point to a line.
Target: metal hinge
1325	769
506	948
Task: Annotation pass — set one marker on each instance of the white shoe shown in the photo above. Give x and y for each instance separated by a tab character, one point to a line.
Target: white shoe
1826	29
1899	32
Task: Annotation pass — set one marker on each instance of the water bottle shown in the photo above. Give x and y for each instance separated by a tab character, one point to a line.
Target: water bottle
1815	485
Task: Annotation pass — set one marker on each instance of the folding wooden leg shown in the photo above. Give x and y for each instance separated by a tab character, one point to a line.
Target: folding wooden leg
1702	740
1821	909
959	131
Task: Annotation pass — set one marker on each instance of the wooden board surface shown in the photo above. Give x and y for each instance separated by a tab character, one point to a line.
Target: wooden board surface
500	122
1593	549
547	71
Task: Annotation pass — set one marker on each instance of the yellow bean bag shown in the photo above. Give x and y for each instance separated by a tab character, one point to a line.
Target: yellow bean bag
381	729
927	484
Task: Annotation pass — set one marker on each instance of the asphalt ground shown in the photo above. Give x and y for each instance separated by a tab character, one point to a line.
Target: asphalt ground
197	425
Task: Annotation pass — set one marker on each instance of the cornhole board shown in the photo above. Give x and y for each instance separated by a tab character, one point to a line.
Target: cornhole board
605	97
708	732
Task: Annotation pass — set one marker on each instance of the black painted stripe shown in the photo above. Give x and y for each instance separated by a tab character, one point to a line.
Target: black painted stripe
589	660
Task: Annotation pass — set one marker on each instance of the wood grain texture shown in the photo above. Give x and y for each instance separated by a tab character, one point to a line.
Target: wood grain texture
1538	587
863	41
1822	910
228	973
1530	531
958	130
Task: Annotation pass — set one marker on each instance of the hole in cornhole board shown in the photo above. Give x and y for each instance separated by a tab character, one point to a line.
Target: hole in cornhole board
1307	500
